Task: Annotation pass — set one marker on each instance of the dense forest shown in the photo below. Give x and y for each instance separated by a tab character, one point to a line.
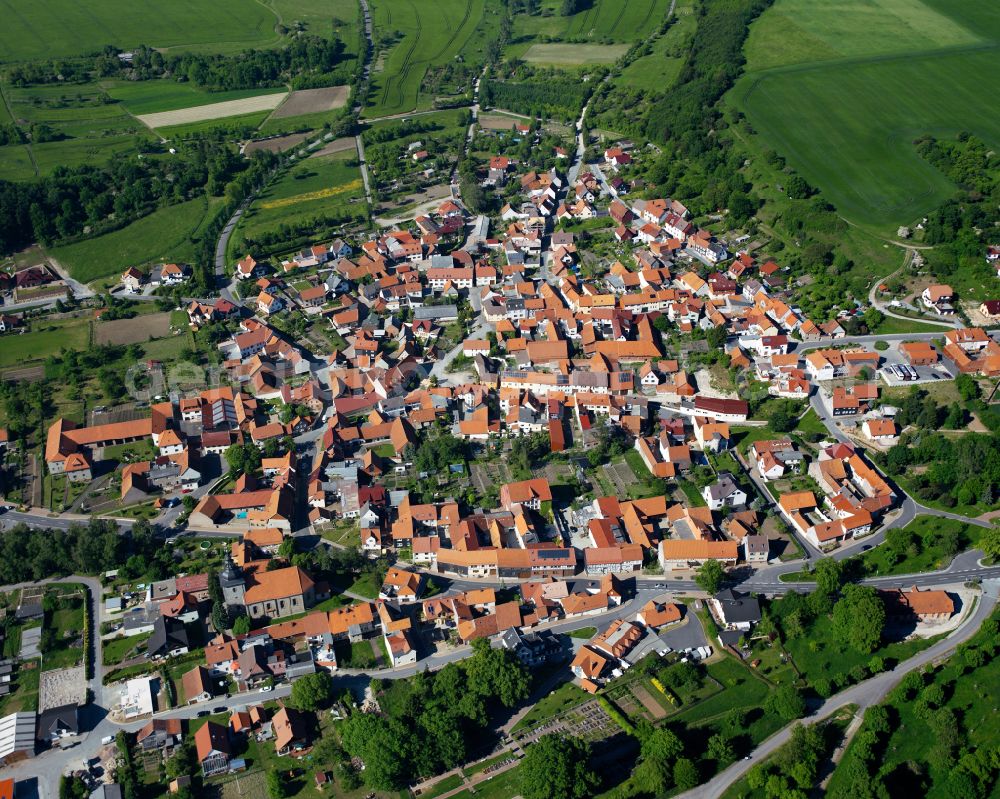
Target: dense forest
305	62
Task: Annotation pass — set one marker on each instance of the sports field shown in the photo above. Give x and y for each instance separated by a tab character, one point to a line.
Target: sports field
856	87
432	33
60	28
573	55
321	186
163	236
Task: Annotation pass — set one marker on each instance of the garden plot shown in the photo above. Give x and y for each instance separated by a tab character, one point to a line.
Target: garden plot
312	101
131	331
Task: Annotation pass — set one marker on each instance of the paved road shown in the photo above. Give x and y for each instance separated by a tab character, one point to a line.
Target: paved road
886	309
864	695
222	281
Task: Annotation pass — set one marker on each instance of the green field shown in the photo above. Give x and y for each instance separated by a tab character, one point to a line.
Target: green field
659	69
432	33
804	31
601	20
561	55
315	187
89	127
46	338
842	91
234	125
154	96
165	235
318	16
58	28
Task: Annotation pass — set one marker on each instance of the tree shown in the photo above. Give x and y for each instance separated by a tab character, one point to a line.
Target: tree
276	788
556	768
716	337
312	691
829	576
381	743
989	542
241	625
496	672
786	702
873	318
686	774
781	421
710	576
243	458
859	618
658	749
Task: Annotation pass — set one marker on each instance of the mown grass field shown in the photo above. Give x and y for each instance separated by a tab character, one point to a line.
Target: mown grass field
165	235
315	187
574	54
842	93
60	28
432	33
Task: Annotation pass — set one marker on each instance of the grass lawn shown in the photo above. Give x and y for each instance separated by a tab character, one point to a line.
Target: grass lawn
691	491
24	693
584	632
485	764
365	585
67	626
359	655
565	697
163	236
118	649
47	337
449	783
890	325
842	93
503	786
931	557
59	29
811	423
345	533
818	654
128	453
